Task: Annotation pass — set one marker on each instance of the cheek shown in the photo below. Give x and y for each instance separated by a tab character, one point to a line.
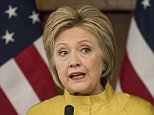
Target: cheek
61	70
95	66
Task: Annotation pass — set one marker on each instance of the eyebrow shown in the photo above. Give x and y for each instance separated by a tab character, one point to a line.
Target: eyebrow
85	41
77	42
60	44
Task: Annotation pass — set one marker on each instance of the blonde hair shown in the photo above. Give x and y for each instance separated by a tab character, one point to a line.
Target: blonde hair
91	19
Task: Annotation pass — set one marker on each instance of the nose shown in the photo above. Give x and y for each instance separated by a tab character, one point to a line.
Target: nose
74	61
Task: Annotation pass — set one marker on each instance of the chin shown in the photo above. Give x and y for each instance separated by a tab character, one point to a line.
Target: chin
81	91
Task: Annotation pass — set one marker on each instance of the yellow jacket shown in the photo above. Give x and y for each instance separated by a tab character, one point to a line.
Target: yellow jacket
109	102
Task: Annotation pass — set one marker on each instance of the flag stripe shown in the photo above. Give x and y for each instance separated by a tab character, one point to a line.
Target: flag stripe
131	83
29	59
17	88
143	65
118	86
137	74
6	107
39	46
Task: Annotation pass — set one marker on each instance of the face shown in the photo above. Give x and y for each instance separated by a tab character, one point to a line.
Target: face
78	61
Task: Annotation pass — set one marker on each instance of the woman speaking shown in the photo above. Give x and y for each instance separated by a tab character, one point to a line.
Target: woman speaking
80	47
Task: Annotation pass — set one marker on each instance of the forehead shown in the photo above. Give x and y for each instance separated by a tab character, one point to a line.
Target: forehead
75	34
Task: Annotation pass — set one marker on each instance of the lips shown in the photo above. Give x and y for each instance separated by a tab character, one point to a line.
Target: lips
77	75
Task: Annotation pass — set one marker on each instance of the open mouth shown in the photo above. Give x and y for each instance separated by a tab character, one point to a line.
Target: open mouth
77	75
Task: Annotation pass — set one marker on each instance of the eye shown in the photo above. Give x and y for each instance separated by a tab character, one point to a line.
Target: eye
86	50
63	53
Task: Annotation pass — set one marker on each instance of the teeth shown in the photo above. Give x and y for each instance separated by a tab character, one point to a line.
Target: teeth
76	75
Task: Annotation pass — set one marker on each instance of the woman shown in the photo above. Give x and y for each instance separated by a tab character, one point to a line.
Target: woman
81	51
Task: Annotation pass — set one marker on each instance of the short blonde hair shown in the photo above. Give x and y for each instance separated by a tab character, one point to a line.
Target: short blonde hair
89	18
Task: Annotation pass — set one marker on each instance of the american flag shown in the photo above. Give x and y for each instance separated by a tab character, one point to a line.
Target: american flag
137	75
24	75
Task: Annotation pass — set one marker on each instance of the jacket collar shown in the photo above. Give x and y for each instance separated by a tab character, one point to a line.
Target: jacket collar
101	99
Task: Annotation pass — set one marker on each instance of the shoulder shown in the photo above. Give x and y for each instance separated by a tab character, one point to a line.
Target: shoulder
43	107
141	106
135	105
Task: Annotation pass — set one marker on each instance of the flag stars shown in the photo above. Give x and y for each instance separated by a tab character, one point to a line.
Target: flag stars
34	17
145	3
11	11
8	37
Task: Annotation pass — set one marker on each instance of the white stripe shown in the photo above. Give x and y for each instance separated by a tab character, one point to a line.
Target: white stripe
141	56
17	88
39	46
118	87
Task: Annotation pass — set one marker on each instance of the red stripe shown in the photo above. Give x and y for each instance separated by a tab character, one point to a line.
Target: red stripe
131	83
5	105
37	73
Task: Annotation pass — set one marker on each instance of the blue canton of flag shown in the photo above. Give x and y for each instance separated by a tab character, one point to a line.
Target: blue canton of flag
144	17
15	20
